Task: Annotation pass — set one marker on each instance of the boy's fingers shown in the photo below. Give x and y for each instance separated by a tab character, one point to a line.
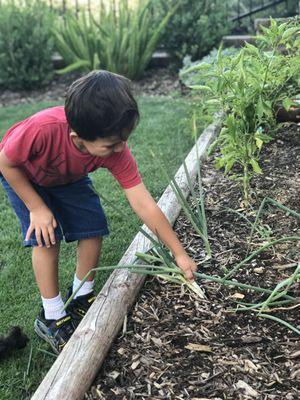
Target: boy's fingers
51	234
193	266
29	232
189	275
190	278
38	237
54	224
45	234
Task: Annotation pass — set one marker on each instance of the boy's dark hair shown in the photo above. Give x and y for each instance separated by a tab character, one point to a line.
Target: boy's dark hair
100	104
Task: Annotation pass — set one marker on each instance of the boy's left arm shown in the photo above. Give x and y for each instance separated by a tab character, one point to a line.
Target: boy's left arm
146	208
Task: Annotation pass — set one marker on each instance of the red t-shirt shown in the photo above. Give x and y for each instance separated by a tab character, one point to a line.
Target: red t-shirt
41	145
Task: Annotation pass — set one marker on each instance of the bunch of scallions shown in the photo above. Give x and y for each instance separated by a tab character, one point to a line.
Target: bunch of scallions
159	262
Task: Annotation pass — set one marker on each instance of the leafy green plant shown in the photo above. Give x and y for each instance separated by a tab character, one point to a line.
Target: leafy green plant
26	45
121	39
247	87
193	78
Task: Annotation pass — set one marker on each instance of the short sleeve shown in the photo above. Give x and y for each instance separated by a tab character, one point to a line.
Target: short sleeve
24	142
124	168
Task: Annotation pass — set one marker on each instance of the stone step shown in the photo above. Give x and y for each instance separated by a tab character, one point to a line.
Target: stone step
160	59
237	40
57	60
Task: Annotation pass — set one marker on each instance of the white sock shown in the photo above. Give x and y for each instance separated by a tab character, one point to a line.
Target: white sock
53	307
86	288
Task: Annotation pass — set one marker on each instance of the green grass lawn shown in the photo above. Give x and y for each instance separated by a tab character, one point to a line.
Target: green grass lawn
165	128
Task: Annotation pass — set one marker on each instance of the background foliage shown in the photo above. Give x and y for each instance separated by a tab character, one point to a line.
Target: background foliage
26	45
195	29
121	39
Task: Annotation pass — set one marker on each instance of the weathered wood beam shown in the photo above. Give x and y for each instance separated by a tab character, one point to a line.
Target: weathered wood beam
76	367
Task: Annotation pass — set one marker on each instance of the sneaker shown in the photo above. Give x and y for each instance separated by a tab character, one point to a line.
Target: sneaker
55	332
78	307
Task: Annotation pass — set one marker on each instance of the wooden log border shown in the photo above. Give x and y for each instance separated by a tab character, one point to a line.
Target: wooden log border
74	370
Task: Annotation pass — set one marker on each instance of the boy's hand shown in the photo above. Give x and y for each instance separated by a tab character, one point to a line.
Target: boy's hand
43	223
146	208
187	265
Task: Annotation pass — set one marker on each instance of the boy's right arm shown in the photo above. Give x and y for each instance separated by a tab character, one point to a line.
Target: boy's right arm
42	220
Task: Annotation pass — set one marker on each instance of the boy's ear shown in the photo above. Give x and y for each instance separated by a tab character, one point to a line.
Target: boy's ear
73	134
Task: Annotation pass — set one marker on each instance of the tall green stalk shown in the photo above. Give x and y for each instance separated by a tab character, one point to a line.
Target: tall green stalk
197	218
280	321
268	200
277	293
237	267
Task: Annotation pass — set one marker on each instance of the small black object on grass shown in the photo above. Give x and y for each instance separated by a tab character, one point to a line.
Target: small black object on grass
16	339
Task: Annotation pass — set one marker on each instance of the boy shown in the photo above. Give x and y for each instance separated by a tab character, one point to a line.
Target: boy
45	161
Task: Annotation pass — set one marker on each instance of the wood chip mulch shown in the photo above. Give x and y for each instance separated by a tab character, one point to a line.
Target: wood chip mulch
175	346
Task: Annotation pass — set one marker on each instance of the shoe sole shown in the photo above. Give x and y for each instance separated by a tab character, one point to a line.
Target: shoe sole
43	336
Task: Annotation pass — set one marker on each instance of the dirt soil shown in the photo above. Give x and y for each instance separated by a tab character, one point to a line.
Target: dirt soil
154	82
237	355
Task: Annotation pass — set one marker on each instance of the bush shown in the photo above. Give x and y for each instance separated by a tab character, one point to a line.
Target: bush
196	27
26	46
193	78
248	87
121	41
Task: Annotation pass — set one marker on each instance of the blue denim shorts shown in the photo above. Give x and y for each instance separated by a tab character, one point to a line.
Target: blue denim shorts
75	206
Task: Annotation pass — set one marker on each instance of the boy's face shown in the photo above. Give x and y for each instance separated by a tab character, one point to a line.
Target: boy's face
101	147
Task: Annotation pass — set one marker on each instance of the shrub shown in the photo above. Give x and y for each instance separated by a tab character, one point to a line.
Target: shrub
76	41
121	40
248	87
26	46
194	78
196	27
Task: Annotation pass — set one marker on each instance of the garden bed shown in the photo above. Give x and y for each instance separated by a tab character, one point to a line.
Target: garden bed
154	82
175	346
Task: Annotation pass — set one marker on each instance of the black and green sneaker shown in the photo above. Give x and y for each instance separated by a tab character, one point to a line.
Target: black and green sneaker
55	332
78	307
